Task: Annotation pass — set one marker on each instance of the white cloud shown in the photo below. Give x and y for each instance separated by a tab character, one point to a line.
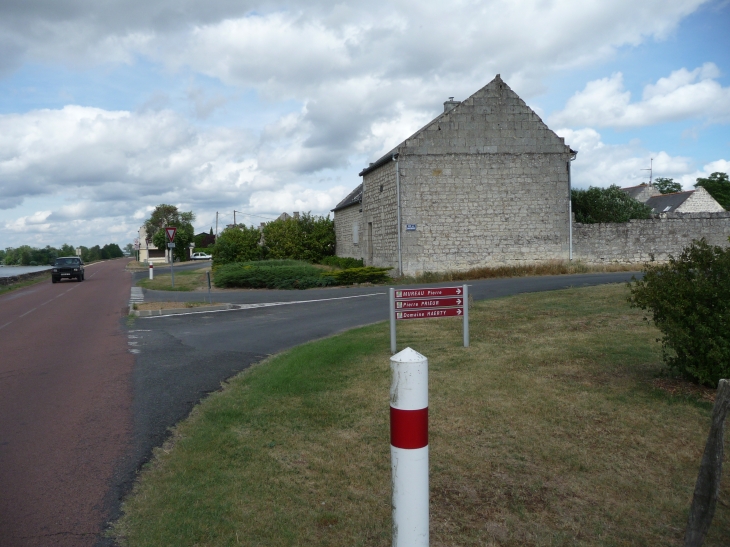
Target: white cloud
682	95
719	166
601	164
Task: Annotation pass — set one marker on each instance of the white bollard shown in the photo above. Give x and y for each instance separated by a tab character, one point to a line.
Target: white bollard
409	448
152	272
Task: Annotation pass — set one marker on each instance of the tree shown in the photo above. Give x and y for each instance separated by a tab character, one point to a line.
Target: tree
308	237
238	244
67	250
689	298
718	186
168	215
606	205
667	186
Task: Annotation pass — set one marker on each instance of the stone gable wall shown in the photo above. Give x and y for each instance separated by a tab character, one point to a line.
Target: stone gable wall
700	202
483	210
639	241
344	220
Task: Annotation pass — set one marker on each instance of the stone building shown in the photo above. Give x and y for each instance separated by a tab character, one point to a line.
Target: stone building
486	183
692	201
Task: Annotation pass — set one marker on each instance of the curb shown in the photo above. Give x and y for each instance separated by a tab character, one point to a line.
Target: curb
177	311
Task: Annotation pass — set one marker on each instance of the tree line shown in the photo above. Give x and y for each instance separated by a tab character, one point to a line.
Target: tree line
26	255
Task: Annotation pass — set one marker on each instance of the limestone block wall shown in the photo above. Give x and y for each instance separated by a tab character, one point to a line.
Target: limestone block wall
348	228
379	238
637	240
483	210
700	202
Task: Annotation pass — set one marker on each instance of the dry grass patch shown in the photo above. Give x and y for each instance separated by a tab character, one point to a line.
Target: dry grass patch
548	430
550	267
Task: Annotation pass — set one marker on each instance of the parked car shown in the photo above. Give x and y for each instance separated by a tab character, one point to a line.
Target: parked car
67	267
201	256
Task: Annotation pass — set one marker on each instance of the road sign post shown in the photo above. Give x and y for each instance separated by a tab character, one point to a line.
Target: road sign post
171	231
428	303
210	298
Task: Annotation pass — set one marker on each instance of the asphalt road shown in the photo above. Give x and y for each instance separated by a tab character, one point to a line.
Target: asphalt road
85	396
65	403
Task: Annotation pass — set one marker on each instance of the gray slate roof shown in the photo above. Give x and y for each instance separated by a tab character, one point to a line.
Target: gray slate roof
634	191
668	203
352	198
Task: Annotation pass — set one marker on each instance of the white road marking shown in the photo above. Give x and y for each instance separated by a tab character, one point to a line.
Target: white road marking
265	305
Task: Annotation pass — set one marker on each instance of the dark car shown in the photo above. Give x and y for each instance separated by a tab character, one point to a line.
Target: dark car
67	267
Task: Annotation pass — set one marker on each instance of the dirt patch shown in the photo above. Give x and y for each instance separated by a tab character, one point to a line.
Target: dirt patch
679	387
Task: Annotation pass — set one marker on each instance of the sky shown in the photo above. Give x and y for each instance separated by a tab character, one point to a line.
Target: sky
109	108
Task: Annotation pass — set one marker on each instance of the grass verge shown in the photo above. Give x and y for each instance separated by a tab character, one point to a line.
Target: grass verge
22	284
548	430
551	267
185	280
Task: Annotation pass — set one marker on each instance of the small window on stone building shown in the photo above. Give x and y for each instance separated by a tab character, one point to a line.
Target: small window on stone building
356	232
381	187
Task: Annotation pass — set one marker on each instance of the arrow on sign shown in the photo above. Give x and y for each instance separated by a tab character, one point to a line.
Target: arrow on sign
170	231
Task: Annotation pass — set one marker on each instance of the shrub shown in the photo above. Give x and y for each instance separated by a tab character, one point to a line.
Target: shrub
238	244
368	274
606	205
690	303
308	237
342	262
270	274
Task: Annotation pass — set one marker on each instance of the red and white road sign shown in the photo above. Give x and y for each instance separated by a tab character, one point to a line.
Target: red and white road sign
429	314
171	231
428	303
429	292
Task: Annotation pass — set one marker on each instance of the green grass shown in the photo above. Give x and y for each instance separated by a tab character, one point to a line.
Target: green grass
548	430
185	280
22	284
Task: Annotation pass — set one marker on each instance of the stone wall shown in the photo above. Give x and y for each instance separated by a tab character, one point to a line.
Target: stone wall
379	208
483	210
347	221
638	241
700	202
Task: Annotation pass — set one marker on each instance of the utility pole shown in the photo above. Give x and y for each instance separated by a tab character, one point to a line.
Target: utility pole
216	224
651	170
234	217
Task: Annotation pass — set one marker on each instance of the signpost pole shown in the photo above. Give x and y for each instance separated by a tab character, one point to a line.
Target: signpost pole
210	298
172	259
466	316
392	321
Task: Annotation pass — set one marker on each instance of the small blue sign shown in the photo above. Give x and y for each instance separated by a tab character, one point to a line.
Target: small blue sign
410	227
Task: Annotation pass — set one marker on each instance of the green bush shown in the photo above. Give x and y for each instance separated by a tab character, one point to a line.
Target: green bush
342	262
690	303
308	237
606	205
368	274
238	244
270	274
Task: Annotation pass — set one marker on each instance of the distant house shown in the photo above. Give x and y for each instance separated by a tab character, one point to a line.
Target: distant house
485	183
642	192
148	252
692	201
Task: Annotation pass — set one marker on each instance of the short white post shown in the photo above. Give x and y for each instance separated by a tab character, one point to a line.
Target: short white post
409	448
152	271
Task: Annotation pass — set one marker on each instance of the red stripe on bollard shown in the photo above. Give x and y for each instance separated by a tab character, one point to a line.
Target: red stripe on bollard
409	428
